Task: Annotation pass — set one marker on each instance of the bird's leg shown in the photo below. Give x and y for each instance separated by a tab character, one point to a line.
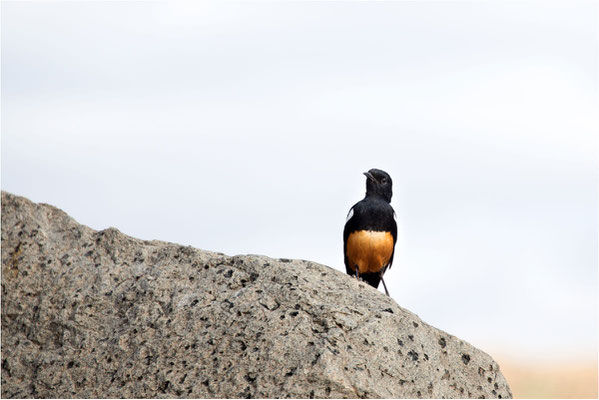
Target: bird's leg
385	286
357	272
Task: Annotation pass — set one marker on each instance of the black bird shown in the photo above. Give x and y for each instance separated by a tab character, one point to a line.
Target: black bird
371	231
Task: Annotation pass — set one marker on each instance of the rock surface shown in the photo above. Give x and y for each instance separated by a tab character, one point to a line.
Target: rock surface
99	314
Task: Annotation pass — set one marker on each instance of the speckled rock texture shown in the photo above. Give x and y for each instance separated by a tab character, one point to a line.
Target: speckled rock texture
101	314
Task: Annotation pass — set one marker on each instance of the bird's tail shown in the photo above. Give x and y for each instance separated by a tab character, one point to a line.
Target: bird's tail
373	279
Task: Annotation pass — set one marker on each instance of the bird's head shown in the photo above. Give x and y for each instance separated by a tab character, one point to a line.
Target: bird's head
378	183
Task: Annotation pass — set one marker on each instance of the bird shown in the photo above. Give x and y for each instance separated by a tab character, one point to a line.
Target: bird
370	231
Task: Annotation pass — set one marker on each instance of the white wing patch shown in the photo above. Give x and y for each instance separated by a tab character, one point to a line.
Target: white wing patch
349	214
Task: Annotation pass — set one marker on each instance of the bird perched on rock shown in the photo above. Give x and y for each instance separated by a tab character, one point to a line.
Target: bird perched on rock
371	231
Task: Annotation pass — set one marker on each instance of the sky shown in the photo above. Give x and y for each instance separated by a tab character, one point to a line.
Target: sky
245	127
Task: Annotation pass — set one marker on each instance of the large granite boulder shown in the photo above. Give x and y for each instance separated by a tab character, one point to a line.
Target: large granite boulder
90	313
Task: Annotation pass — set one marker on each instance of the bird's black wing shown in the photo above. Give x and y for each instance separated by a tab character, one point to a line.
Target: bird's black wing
350	226
393	227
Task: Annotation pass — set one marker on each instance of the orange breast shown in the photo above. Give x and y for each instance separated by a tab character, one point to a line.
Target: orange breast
369	250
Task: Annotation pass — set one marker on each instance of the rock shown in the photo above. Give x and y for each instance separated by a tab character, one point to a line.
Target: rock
90	313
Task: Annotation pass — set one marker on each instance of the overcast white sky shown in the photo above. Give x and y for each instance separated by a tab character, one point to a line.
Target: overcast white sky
244	127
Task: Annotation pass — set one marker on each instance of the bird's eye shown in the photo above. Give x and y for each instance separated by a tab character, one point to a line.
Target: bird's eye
384	180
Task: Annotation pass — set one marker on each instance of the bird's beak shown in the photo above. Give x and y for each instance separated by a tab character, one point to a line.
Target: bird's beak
370	176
